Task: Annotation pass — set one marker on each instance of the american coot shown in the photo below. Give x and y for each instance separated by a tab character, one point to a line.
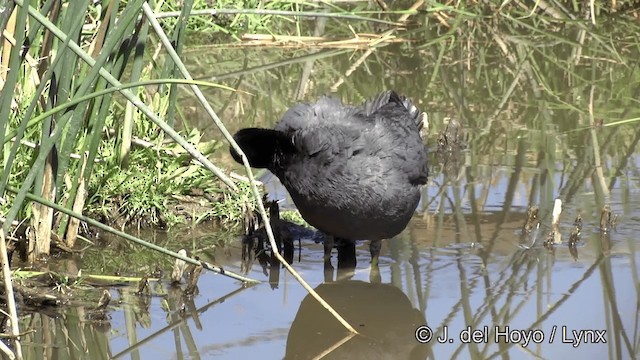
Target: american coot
354	172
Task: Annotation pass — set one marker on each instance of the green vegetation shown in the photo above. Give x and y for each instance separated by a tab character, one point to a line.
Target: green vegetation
226	23
104	151
294	217
156	177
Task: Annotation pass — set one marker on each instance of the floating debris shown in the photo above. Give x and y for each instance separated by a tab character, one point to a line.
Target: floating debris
104	301
33	297
578	222
143	286
450	143
527	235
574	238
452	137
608	220
555	237
178	267
532	221
192	279
557	210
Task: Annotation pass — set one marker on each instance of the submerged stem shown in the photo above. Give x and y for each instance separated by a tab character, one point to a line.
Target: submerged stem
11	302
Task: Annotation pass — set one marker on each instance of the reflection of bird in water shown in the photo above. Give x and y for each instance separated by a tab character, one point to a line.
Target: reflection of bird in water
347	265
382	314
353	172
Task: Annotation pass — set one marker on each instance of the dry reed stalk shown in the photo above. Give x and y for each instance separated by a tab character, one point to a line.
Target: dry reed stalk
372	48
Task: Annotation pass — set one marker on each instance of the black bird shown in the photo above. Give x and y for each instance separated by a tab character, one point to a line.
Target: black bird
354	172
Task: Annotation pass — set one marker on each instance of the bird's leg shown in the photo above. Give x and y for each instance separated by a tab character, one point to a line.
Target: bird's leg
328	268
276	227
328	246
374	248
274	275
346	259
346	254
288	249
374	274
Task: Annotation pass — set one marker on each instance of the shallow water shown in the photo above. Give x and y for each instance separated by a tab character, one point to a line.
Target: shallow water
461	269
449	269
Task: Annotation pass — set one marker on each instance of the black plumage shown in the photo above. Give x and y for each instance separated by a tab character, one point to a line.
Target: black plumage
354	172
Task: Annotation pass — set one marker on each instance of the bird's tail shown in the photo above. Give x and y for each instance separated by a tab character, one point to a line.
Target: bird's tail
382	99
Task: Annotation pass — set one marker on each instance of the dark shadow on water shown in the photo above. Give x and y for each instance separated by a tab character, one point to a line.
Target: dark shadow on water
381	313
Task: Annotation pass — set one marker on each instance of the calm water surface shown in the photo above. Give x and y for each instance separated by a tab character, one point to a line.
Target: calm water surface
452	268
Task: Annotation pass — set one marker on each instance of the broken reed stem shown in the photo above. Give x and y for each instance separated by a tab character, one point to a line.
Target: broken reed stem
555	221
172	53
335	346
179	321
596	150
11	303
8	352
358	41
372	48
122	234
557	210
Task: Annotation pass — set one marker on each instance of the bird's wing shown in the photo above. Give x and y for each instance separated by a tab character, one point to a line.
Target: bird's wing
324	129
328	141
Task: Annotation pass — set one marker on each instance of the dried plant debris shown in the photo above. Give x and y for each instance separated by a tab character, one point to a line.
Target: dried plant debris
452	137
527	234
532	222
574	238
143	286
578	222
104	301
557	211
193	274
450	143
573	250
608	220
37	297
178	268
555	236
100	314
